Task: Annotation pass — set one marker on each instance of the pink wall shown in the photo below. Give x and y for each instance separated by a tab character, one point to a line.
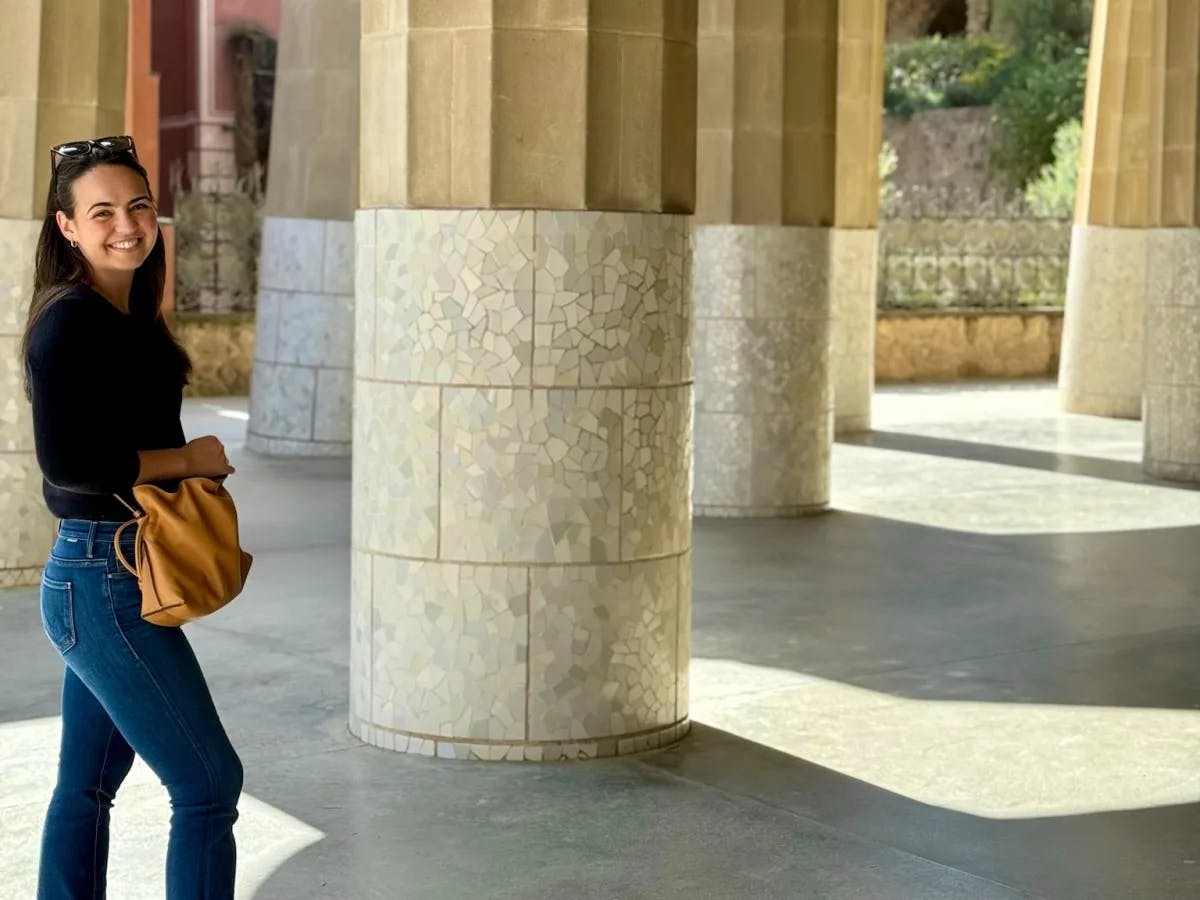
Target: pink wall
226	13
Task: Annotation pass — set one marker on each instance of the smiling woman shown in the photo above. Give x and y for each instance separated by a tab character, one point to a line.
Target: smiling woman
105	378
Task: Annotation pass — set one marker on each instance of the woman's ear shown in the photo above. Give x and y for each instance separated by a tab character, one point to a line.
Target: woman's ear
66	226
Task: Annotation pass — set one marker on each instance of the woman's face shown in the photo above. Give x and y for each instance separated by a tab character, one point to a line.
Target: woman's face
115	221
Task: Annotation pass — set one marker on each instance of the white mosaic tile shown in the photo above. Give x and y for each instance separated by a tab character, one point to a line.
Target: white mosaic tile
16	413
724	271
723	462
281	401
338	258
26	541
655	499
853	258
315	330
1172	373
449	650
1101	372
292	257
395	469
531	475
266	324
683	656
567	479
454	296
612	306
365	299
602	649
28	538
361	634
301	327
763	390
333	414
18	238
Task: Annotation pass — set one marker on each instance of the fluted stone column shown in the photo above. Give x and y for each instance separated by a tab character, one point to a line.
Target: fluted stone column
63	66
1172	382
1101	372
788	135
522	438
301	390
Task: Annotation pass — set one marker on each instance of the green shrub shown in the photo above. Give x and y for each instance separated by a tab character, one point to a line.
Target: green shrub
1042	92
1052	194
941	72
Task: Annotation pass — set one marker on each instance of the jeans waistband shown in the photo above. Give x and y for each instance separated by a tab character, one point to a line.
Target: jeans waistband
96	536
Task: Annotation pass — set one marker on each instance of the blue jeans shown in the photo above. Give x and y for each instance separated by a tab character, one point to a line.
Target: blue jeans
130	687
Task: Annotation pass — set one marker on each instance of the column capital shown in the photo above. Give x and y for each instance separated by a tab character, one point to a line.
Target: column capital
491	104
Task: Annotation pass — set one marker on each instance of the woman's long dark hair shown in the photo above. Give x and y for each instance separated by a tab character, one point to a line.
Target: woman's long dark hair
59	267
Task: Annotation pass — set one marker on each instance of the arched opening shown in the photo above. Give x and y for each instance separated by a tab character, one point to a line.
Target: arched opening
950	20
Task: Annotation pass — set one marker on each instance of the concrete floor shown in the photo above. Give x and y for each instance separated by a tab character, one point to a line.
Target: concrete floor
978	679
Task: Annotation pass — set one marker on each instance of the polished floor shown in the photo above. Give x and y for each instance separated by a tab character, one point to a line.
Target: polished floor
978	678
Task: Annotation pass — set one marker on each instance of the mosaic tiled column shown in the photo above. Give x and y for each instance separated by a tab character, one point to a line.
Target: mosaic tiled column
1172	424
764	408
63	66
788	139
522	424
1104	325
1172	392
854	277
301	390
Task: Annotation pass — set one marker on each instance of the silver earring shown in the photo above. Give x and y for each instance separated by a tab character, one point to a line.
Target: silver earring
74	245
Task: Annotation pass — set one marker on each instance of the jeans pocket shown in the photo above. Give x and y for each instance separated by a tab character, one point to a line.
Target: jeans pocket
58	614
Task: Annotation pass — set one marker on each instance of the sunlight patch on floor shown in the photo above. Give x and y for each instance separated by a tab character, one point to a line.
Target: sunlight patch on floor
993	760
266	836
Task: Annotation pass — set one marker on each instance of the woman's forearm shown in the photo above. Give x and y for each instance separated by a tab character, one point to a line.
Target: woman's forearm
161	465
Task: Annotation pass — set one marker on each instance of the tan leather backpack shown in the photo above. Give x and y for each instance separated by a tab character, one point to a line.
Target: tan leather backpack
187	557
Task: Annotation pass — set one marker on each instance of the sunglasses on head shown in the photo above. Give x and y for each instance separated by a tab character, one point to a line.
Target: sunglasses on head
121	143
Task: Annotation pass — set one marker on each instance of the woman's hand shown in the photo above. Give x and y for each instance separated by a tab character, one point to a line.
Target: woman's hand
206	456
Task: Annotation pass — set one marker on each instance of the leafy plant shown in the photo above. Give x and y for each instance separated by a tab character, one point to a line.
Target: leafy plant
942	72
1043	92
1052	194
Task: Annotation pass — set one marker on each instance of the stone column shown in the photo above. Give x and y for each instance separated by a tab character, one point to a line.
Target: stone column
522	423
1103	330
855	237
300	393
789	125
1172	383
63	63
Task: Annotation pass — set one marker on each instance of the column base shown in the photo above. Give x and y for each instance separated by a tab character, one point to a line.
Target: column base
759	512
854	276
764	404
521	566
1101	370
549	751
1172	420
302	384
30	532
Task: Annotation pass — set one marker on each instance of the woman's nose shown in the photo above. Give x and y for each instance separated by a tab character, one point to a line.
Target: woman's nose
124	221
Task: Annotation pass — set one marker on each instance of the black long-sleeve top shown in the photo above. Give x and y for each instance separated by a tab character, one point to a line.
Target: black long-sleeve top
104	384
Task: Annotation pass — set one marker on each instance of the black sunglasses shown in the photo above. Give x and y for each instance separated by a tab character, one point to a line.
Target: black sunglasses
121	143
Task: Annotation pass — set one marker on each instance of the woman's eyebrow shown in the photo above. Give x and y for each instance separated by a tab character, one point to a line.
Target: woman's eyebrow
110	203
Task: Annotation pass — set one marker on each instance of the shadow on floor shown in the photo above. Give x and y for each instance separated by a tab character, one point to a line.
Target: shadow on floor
1146	853
1043	460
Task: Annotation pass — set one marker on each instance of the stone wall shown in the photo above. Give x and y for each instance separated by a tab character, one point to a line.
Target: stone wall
942	149
222	351
947	345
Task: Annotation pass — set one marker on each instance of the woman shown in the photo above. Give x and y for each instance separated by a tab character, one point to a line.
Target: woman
105	378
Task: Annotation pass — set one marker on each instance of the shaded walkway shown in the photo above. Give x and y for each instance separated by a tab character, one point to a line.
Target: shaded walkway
901	699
